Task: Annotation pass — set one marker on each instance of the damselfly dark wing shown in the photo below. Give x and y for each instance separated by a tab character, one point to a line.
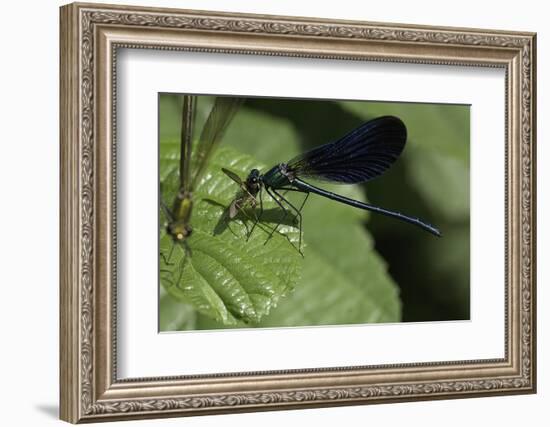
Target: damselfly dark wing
359	156
187	122
220	116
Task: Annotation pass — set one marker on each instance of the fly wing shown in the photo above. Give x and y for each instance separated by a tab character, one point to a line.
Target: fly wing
233	176
220	116
362	154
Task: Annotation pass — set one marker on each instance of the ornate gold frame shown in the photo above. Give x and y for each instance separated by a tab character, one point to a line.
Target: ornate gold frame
90	35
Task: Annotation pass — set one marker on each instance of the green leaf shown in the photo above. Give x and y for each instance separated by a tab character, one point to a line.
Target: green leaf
175	315
444	182
279	140
220	275
344	281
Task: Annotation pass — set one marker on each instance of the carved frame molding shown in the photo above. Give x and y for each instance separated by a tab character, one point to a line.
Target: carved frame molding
90	37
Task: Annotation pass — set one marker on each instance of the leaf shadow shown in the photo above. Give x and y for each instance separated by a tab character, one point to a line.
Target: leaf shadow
272	216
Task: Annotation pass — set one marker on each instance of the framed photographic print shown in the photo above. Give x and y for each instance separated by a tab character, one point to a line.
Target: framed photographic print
265	212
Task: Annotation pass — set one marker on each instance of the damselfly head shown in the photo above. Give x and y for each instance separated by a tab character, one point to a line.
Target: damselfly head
253	176
184	194
179	231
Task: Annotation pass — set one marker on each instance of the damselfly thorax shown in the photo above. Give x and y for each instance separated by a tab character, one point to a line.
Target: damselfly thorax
179	228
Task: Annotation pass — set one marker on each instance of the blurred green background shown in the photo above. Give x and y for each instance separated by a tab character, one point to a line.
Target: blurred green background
378	269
